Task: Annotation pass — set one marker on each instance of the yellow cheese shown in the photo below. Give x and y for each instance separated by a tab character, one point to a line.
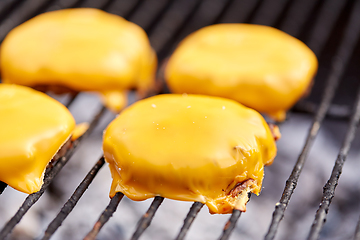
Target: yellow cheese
81	49
187	147
33	127
258	66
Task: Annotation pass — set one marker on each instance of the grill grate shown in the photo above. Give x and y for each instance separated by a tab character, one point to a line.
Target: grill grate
169	21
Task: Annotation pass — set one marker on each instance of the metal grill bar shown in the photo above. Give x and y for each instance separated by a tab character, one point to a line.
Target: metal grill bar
343	54
330	186
230	224
71	203
146	219
49	176
194	210
105	216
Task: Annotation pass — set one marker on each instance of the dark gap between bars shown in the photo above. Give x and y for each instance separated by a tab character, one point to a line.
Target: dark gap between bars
347	45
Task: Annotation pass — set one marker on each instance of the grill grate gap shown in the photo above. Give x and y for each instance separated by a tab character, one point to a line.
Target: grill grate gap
342	56
194	210
146	219
75	197
105	216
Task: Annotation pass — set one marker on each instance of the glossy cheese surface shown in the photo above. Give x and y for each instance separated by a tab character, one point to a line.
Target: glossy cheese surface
81	49
258	66
187	147
33	127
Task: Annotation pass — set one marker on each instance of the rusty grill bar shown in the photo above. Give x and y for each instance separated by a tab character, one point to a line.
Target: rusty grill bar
169	21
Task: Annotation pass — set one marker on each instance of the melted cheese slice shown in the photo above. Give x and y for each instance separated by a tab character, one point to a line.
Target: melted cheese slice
258	66
33	127
81	49
187	147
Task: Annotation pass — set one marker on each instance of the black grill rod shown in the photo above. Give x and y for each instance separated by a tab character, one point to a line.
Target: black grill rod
194	210
230	224
105	216
49	176
75	197
146	219
330	186
342	56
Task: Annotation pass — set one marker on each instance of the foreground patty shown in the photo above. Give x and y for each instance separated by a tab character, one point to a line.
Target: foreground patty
258	66
188	147
33	127
82	50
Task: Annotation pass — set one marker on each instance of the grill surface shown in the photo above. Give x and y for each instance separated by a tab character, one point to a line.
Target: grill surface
329	27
